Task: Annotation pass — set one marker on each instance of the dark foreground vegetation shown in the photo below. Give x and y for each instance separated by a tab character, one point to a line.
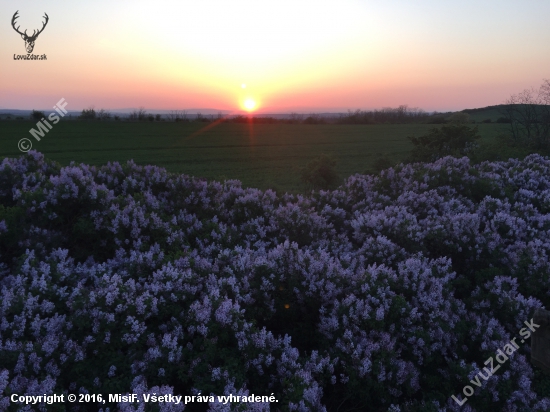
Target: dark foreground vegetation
385	291
388	293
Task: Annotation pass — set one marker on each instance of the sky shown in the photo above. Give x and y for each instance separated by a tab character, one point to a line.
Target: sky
274	56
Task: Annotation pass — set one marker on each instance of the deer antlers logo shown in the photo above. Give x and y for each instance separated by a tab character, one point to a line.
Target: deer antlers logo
29	40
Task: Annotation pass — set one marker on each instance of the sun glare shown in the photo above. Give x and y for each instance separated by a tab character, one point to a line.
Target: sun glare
249	104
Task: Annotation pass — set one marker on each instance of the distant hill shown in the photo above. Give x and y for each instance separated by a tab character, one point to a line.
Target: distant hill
483	113
489	112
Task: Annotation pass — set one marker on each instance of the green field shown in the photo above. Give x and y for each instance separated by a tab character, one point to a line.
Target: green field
260	155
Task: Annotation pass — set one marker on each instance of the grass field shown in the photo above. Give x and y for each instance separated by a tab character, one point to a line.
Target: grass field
260	155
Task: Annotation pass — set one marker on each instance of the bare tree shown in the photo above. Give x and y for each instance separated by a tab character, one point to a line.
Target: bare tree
103	115
296	117
528	116
402	113
178	115
142	114
139	114
314	118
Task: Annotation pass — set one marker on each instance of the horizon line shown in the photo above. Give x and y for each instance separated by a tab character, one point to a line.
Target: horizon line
257	112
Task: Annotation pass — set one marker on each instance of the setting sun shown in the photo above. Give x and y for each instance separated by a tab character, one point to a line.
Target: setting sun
249	104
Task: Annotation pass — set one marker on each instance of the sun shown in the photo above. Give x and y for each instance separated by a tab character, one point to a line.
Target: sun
249	104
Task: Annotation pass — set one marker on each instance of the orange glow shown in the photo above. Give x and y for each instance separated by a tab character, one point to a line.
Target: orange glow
360	55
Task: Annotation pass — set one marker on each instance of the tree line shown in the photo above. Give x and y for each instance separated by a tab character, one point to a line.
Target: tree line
527	115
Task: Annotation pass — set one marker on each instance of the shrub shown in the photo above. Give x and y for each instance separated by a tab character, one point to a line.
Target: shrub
37	115
459	118
314	119
453	140
320	173
382	163
88	114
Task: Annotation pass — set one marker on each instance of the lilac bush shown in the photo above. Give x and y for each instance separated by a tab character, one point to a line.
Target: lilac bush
386	294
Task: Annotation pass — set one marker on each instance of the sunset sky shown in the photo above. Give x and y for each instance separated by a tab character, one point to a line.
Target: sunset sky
277	56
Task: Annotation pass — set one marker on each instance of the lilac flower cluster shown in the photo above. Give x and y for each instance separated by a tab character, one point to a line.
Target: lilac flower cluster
385	294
